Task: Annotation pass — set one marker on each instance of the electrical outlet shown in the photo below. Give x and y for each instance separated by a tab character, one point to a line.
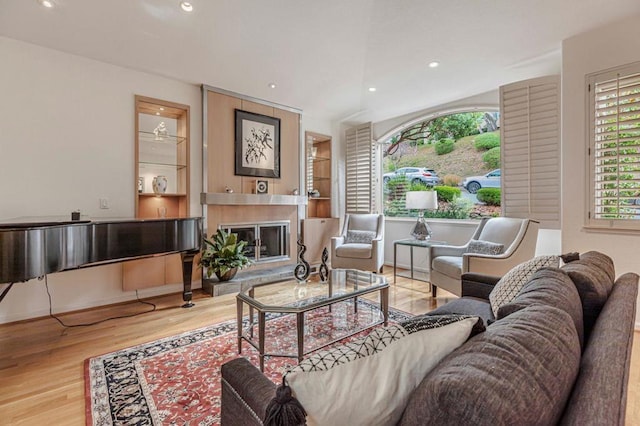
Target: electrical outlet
104	203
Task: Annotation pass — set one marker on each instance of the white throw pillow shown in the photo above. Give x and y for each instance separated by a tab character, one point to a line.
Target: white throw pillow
512	282
359	237
369	381
484	247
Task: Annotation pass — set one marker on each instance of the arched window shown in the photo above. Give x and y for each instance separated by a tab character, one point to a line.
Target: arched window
457	153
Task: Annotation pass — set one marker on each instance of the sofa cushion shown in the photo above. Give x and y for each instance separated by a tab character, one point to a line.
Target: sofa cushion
384	368
362	237
354	250
466	306
484	247
520	371
592	278
512	282
450	266
551	287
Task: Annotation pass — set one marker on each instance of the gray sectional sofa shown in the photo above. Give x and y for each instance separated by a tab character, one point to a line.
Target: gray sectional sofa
559	353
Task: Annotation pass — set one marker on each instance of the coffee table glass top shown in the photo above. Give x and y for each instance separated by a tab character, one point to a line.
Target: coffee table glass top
292	296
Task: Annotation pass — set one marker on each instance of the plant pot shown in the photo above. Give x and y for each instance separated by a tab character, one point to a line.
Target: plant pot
227	275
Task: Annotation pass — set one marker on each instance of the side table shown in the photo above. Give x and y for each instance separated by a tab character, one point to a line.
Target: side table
411	243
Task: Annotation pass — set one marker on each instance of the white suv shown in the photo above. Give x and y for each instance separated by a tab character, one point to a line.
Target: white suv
490	180
415	175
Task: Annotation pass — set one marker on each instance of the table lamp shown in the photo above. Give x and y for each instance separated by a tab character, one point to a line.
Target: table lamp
421	200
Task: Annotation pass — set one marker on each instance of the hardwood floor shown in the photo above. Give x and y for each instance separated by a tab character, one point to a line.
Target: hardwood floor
42	363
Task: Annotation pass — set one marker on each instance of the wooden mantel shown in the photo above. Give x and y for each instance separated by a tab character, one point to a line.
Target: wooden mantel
233	199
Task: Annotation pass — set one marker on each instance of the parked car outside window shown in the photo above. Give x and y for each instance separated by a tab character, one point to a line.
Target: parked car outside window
490	180
415	175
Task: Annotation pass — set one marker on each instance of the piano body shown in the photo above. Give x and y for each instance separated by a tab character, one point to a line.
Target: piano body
35	247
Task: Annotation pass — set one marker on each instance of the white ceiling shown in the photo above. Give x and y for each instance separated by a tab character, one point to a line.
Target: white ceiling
323	55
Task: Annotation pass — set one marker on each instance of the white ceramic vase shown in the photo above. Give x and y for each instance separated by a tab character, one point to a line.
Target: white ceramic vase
160	184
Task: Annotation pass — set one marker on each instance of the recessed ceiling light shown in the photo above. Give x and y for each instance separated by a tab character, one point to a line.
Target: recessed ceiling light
272	85
46	3
372	89
161	109
186	6
157	113
434	64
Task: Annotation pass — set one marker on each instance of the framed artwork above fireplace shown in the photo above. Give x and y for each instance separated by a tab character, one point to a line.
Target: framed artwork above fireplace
257	145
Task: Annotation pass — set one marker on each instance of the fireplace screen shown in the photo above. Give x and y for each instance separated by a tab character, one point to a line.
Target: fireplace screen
266	241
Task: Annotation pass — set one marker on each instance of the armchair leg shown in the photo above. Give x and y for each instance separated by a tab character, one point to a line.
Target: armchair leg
434	290
381	268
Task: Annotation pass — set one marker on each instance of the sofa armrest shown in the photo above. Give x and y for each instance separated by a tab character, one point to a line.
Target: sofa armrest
336	242
478	285
246	392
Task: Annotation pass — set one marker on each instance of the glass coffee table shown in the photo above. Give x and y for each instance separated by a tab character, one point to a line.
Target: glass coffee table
292	297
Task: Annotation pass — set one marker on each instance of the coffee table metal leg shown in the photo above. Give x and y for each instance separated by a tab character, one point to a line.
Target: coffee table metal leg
300	330
251	315
239	316
384	304
261	321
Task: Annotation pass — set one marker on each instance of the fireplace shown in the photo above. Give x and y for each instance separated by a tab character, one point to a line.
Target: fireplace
266	241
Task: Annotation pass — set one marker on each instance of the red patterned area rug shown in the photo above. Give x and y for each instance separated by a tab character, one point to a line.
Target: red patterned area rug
176	380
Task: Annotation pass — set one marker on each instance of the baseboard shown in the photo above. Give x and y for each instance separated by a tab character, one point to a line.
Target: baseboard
121	298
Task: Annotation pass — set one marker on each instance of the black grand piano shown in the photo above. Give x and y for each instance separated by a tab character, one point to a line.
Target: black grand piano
33	247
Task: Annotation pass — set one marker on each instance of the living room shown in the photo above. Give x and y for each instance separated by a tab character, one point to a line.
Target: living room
67	133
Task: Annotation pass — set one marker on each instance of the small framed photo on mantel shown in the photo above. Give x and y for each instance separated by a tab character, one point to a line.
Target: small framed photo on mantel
257	145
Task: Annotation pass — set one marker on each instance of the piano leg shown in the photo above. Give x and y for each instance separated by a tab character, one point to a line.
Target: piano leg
187	268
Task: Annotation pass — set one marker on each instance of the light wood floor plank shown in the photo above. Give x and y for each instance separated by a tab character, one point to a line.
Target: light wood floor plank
42	364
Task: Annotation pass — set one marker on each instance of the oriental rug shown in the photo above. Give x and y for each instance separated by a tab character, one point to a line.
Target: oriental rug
176	380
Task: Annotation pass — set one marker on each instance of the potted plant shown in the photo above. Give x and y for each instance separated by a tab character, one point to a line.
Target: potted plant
223	255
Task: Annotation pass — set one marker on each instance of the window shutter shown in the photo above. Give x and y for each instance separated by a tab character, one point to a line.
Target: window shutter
530	148
614	108
360	170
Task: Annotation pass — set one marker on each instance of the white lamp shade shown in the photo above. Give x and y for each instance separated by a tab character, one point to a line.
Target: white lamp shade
422	200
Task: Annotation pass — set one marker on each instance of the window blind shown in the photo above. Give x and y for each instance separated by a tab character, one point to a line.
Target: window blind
615	147
360	169
530	149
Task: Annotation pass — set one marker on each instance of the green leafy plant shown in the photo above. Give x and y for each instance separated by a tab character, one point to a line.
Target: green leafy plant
444	146
447	193
222	253
486	141
418	186
489	196
492	158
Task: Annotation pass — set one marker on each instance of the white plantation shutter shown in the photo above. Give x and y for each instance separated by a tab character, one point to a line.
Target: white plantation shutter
530	149
614	152
360	170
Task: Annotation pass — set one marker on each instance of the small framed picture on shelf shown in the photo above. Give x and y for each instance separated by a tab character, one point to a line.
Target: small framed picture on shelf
141	184
257	145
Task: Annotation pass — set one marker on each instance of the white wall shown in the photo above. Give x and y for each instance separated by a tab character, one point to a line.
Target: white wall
67	140
618	44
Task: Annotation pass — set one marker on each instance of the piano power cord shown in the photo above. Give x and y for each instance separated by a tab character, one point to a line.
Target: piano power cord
46	284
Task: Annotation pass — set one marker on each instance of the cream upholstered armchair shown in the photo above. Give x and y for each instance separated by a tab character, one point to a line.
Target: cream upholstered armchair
361	243
499	244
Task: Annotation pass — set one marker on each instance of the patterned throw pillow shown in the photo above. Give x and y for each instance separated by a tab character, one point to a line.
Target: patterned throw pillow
512	282
361	237
484	247
385	367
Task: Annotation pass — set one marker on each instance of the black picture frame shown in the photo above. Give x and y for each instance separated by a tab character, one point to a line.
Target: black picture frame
257	145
